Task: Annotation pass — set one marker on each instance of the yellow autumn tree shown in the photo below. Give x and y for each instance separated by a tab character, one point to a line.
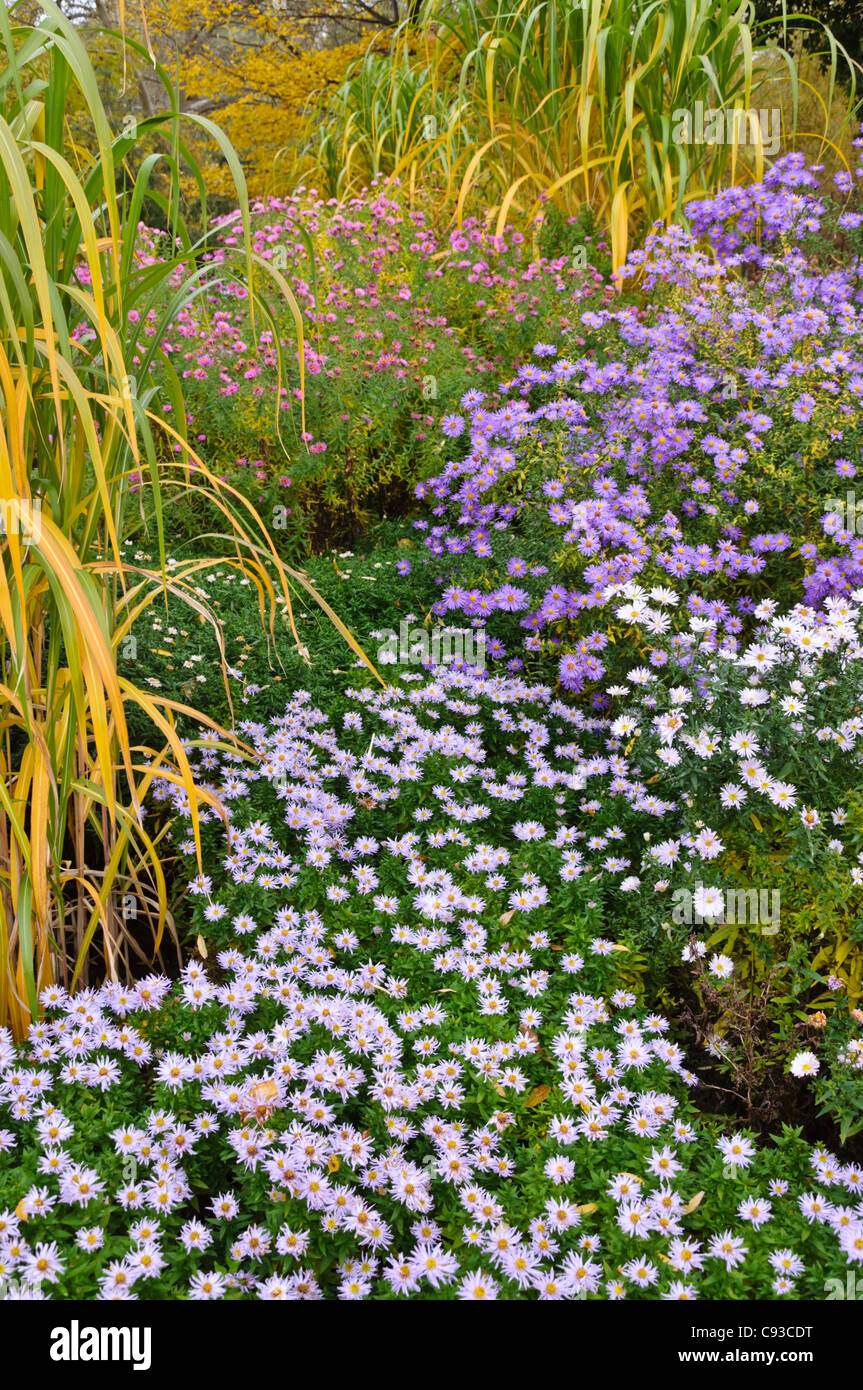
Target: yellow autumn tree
252	67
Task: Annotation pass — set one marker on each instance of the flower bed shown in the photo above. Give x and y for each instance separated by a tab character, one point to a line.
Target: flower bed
471	1011
709	435
397	320
418	1056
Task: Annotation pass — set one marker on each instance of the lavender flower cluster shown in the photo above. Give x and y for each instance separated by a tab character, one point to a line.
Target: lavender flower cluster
728	401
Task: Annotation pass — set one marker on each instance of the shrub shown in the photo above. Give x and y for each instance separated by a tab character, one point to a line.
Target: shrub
396	318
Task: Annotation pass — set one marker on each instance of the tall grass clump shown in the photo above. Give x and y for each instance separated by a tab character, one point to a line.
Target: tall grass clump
581	104
86	452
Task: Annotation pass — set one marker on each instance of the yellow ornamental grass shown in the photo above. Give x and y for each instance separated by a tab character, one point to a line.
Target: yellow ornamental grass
78	443
581	103
394	117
